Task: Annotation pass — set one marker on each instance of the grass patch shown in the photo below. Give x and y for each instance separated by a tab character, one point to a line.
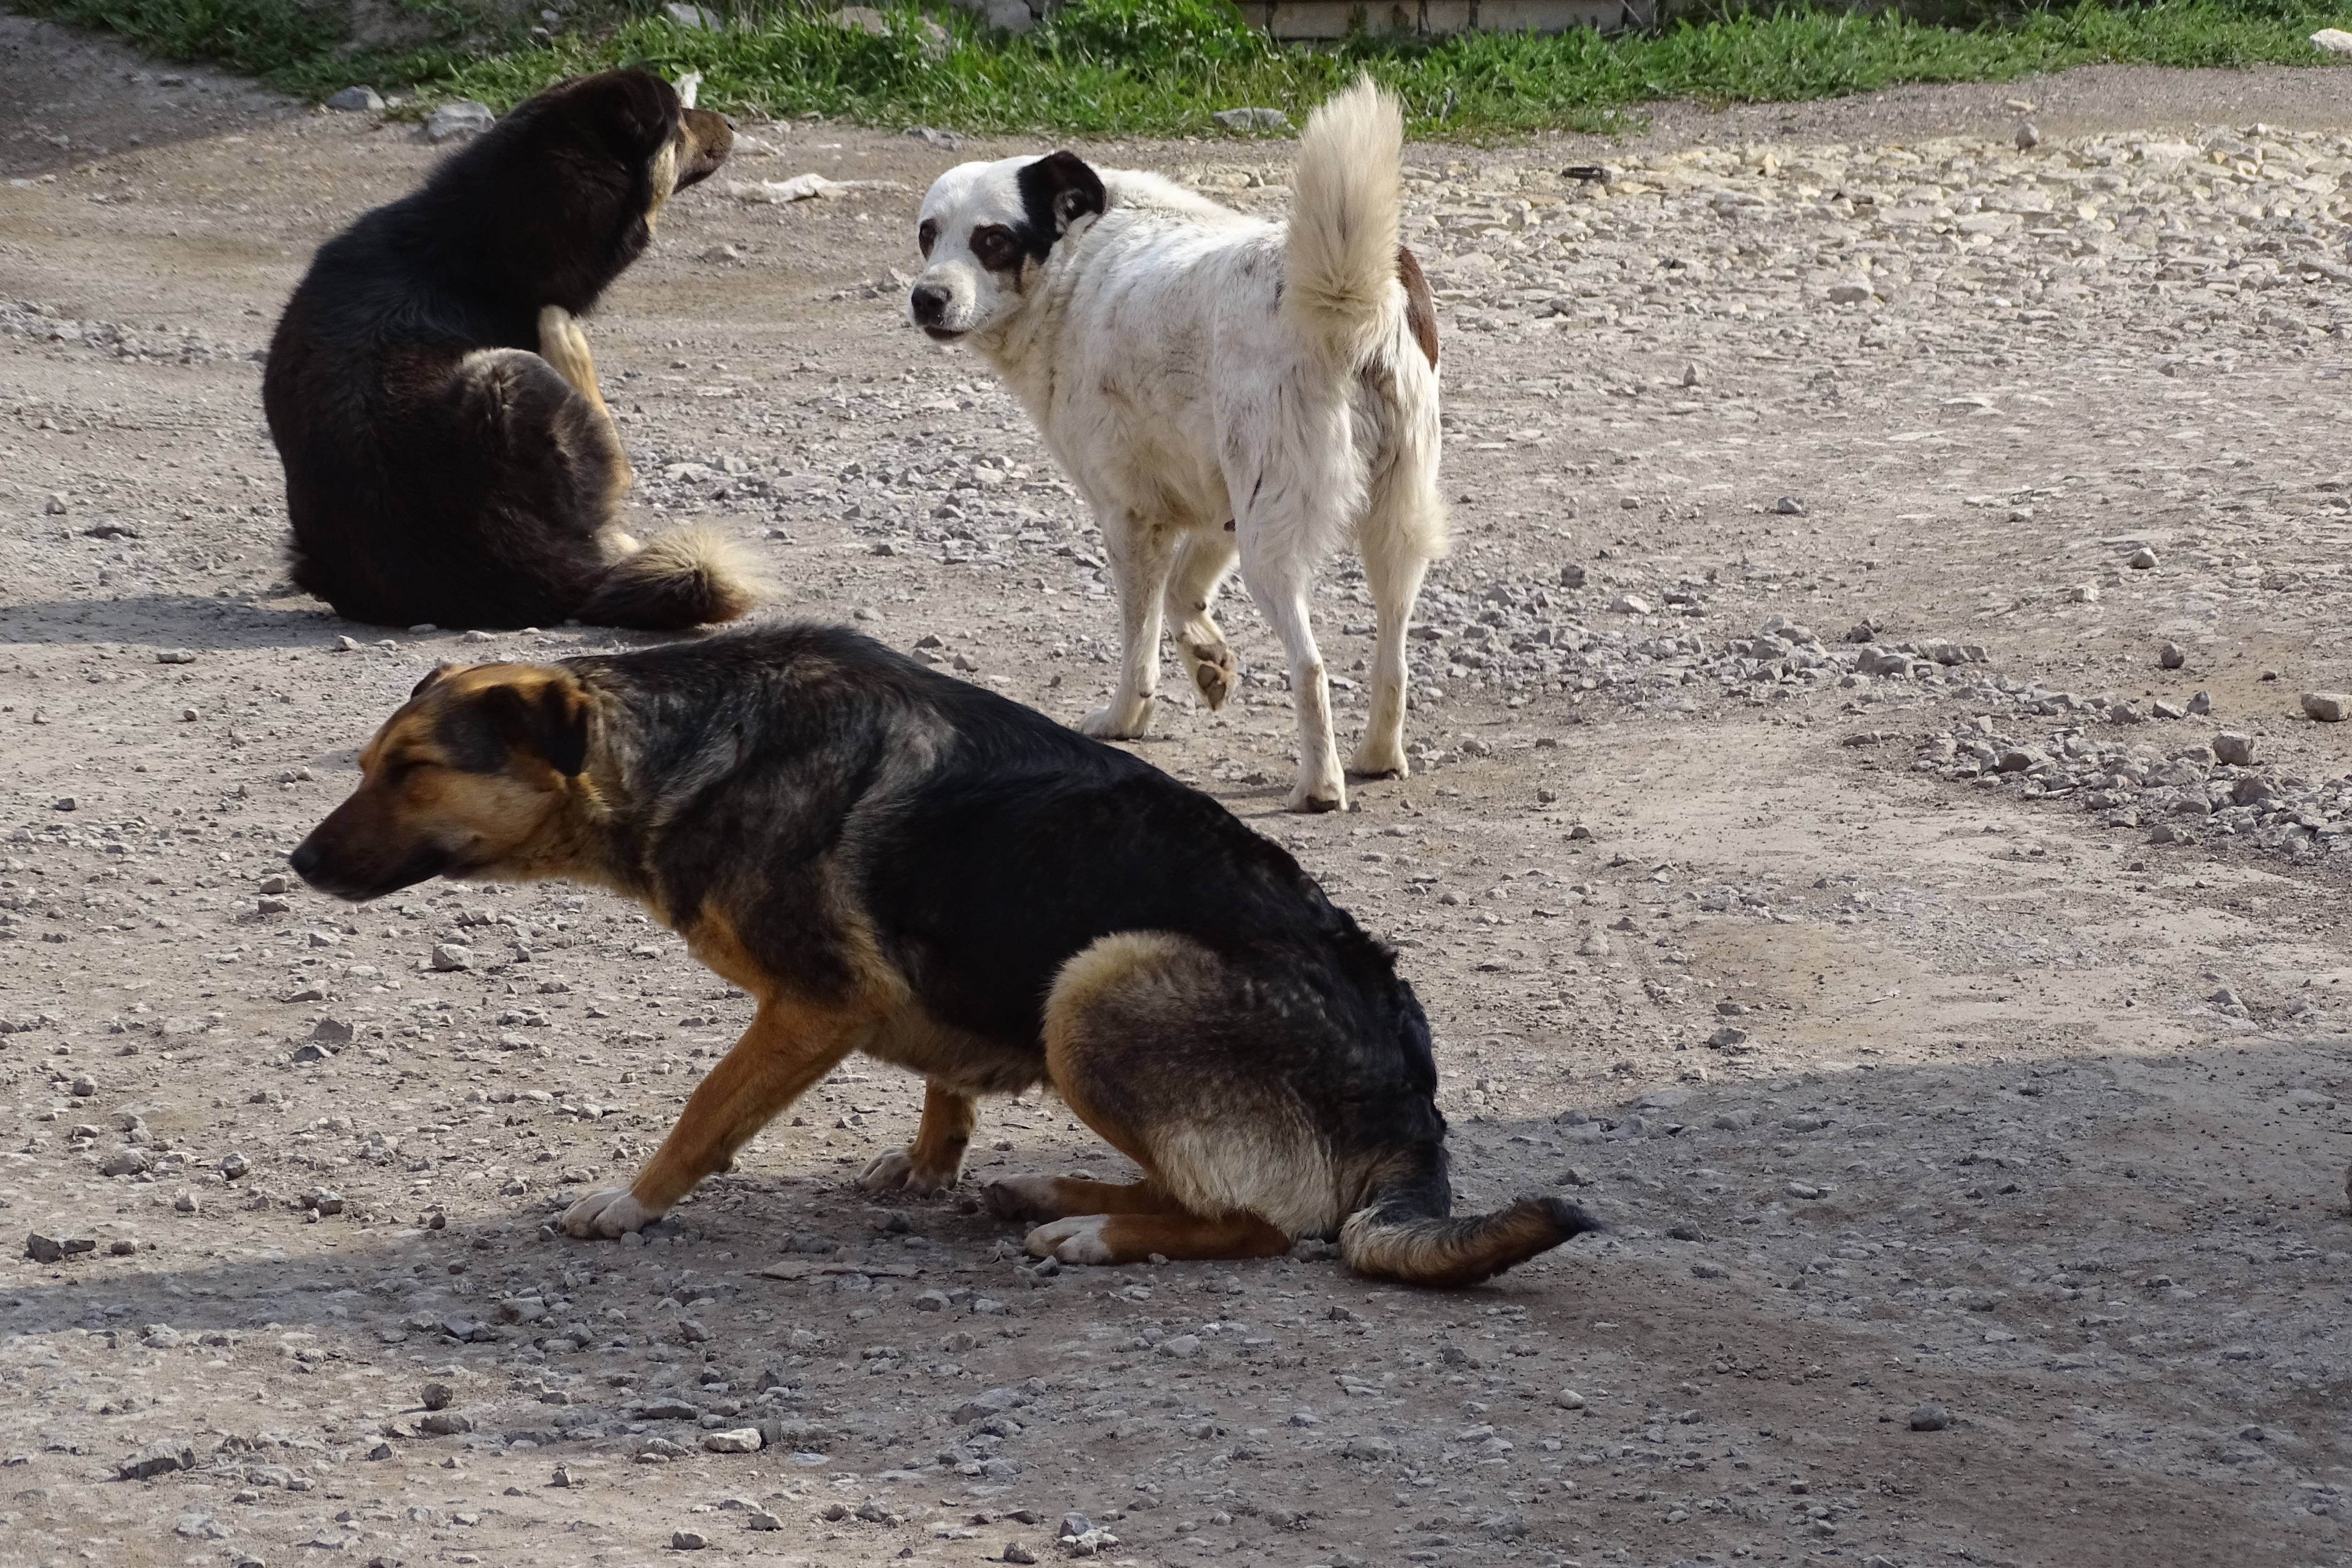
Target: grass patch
1161	67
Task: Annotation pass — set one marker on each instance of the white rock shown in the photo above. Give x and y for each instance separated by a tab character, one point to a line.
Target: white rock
734	1440
2332	40
463	118
357	101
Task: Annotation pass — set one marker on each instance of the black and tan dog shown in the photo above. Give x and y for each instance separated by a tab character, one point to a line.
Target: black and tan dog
448	457
891	861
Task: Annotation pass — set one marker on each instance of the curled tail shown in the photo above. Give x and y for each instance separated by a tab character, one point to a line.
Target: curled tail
1341	270
689	578
1397	1237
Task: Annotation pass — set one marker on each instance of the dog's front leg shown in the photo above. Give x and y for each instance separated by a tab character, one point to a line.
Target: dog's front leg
1140	551
933	1162
789	1047
564	346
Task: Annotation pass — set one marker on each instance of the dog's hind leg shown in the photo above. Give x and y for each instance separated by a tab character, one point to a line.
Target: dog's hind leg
1396	557
1139	549
564	346
1280	576
1203	560
933	1162
789	1047
1149	1039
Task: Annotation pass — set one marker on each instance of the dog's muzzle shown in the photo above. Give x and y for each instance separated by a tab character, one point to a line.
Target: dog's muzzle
929	306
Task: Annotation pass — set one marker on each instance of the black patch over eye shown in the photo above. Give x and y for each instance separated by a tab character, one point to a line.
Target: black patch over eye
927	236
996	247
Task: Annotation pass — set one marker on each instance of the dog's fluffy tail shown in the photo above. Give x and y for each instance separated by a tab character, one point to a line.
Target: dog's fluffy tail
1341	270
689	578
1396	1237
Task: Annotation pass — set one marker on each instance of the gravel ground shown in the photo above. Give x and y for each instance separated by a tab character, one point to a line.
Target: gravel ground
1800	868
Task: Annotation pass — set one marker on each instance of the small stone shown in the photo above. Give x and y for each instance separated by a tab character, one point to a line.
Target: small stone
2082	593
127	1163
176	656
186	1202
1693	375
2328	707
733	1440
2201	704
1730	1035
324	1200
2232	748
1073	1526
357	101
686	1540
2332	41
272	884
1802	1190
1251	119
157	1460
436	1396
66	803
55	506
234	1165
463	118
43	1248
1015	1552
2142	560
384	1450
565	1475
1571	577
83	1086
1930	1417
761	1518
1180	1347
701	18
1790	506
445	1424
448	957
1630	604
2029	136
1569	1399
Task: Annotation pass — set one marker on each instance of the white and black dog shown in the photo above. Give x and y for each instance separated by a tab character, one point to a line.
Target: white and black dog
1217	385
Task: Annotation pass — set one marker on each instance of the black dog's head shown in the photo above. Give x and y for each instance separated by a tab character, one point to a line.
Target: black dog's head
562	193
984	231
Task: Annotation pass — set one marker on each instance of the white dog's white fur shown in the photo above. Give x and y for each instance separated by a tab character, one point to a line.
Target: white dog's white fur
1217	385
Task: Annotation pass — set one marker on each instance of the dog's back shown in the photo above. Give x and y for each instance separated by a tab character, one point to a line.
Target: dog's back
436	467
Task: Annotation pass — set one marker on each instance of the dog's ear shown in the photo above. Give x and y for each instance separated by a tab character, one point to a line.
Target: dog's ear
549	722
635	110
431	678
1056	191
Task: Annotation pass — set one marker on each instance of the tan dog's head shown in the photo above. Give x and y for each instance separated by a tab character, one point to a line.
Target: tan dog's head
471	778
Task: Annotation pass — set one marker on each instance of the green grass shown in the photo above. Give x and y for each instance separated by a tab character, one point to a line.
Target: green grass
1160	67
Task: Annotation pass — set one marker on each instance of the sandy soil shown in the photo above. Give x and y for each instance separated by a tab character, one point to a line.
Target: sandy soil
1851	982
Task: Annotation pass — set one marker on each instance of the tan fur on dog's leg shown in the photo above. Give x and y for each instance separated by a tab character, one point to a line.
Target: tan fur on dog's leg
1201	563
789	1047
564	346
1107	1238
1057	1197
933	1162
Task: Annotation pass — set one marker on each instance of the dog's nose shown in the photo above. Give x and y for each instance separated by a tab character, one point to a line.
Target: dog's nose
305	859
930	305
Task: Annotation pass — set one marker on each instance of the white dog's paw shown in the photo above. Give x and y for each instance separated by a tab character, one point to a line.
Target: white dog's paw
1118	721
1078	1239
895	1170
607	1212
1385	760
1309	797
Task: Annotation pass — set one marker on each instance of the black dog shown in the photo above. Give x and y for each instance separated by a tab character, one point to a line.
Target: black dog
894	862
447	456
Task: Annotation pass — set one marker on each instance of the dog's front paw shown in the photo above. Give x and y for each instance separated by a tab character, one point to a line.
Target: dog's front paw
1115	721
1078	1239
1310	799
1214	674
895	1170
607	1212
1022	1197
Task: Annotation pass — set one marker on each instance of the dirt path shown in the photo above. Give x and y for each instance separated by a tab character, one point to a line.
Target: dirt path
1845	979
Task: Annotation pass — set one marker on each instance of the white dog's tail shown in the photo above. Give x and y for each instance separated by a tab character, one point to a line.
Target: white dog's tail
1342	270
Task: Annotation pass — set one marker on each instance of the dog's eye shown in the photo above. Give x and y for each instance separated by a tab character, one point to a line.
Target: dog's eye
927	236
995	246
